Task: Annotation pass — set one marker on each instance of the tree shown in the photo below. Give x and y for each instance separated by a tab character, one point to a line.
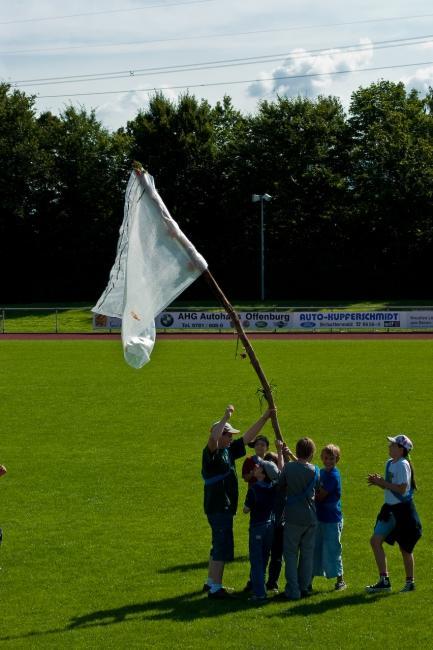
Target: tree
391	178
19	164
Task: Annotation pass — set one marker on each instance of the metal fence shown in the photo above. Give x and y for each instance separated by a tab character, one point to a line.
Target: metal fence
79	320
49	320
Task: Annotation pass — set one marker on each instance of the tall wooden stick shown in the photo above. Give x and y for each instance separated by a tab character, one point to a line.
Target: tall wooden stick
139	170
249	350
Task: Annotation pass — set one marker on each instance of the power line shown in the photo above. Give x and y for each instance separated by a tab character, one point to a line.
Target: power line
222	63
243	81
100	13
211	36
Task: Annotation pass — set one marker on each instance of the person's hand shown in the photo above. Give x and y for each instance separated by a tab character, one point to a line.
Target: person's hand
3	470
375	479
279	444
229	411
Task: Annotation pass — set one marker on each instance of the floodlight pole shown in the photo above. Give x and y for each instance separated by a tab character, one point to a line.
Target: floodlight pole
249	350
262	198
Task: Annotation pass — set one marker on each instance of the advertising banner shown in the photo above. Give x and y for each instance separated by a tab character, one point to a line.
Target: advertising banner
283	320
106	322
251	320
346	319
418	319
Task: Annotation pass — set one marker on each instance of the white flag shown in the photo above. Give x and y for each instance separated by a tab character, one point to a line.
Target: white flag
155	262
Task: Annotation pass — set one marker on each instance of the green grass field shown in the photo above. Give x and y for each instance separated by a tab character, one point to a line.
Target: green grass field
105	542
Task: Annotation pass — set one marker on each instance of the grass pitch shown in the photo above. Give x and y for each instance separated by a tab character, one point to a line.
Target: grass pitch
105	542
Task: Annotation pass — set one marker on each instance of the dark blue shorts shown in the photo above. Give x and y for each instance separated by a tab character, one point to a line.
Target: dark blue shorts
221	524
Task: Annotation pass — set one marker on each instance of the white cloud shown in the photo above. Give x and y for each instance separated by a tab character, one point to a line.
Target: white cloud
116	112
426	46
421	80
296	74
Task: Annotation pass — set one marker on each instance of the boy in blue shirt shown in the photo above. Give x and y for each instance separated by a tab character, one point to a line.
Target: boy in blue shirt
327	551
260	503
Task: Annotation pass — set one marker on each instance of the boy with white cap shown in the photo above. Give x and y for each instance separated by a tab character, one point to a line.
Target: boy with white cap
398	519
221	492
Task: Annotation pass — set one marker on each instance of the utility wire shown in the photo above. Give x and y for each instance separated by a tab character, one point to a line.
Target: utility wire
223	63
100	13
243	81
209	36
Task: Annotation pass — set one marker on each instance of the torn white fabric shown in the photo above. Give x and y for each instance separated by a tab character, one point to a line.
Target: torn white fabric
155	262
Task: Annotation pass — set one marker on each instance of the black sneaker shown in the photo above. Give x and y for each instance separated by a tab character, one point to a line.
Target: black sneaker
409	586
206	588
381	587
340	585
273	587
221	594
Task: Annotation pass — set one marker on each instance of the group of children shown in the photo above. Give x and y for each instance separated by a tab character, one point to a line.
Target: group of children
295	514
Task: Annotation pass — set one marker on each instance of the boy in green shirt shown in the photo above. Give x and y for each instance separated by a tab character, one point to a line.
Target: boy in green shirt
221	492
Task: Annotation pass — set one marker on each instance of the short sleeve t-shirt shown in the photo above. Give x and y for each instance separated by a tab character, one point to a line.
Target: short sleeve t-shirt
298	482
329	510
398	473
260	500
222	496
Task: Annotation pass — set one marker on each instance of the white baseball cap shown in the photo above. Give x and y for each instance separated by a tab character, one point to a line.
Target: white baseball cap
227	428
402	441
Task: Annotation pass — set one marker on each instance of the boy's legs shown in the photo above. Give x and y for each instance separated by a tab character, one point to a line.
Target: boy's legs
216	570
318	559
222	549
332	549
276	562
376	542
257	548
292	538
409	563
306	556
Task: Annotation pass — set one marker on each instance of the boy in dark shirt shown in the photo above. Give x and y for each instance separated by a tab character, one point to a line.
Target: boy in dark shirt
260	503
221	492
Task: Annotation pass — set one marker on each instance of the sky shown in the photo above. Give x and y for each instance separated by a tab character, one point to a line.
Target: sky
111	55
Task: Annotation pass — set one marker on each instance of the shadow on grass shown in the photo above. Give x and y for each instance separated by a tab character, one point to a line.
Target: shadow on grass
182	608
193	606
308	607
183	568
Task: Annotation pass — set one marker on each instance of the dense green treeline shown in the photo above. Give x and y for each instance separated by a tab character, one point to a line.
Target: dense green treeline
352	194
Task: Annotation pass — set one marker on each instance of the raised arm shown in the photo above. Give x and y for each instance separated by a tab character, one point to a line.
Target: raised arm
218	428
257	426
279	445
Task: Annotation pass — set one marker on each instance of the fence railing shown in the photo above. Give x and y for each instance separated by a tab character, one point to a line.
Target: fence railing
79	320
53	320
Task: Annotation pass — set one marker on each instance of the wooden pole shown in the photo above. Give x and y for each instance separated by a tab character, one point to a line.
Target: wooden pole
249	350
139	170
